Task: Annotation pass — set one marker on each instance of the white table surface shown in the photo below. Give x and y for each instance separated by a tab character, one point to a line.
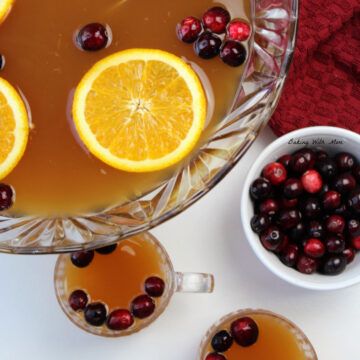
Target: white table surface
206	238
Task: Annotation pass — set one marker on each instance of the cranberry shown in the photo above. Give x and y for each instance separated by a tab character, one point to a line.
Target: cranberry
316	230
331	200
321	155
293	188
314	248
344	183
289	218
307	265
311	208
272	238
355	241
269	207
312	181
335	244
7	197
143	306
2	62
288	203
260	222
298	232
335	224
299	163
245	331
356	172
233	53
260	189
93	37
309	155
334	265
215	356
222	341
78	300
189	29
106	250
82	259
238	30
353	227
119	320
289	255
154	286
345	161
349	254
354	201
95	314
207	45
216	19
275	172
327	168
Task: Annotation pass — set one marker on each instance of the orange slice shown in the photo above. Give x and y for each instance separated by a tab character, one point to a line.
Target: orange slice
5	8
14	128
140	110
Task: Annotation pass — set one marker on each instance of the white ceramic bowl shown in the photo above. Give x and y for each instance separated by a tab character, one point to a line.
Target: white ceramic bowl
331	139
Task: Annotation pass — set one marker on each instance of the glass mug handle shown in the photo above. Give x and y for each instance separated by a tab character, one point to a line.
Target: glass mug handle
194	282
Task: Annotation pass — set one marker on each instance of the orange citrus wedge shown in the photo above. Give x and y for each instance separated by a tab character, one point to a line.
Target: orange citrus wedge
14	128
5	7
140	110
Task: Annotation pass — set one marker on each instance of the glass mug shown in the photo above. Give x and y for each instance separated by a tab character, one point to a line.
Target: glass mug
175	282
303	343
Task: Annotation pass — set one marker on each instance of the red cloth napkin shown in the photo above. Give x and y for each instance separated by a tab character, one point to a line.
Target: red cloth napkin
323	87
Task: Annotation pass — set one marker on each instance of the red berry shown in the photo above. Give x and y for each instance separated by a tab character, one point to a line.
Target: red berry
289	255
82	259
208	45
238	30
95	314
245	331
335	224
314	248
349	254
288	203
233	53
106	250
143	306
356	242
120	320
189	29
7	197
269	207
215	356
272	239
307	265
78	300
285	160
216	19
335	244
154	286
93	37
275	172
331	200
293	188
312	181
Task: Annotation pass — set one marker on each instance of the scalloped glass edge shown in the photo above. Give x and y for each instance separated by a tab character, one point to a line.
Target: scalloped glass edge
273	43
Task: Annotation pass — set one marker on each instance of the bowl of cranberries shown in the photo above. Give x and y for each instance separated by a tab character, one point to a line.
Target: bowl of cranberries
300	208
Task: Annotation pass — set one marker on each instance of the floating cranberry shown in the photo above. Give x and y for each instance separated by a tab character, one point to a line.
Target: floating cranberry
353	227
93	37
216	19
82	259
307	265
207	46
344	183
189	29
2	61
335	224
245	331
288	219
154	286
299	163
314	248
309	155
106	250
275	172
7	196
316	229
238	30
215	356
312	181
298	232
349	254
355	241
143	306
334	265
95	314
335	244
78	300
233	53
345	161
120	319
222	341
327	168
290	255
272	238
311	208
260	223
354	201
260	189
293	188
331	200
269	207
288	203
